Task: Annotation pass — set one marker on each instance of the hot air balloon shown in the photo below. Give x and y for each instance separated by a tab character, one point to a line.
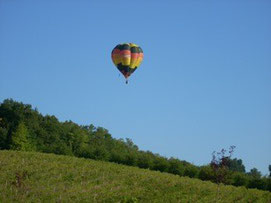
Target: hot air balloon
127	57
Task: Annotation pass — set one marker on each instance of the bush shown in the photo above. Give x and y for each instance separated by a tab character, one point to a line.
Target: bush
256	183
130	159
160	164
206	173
267	183
239	179
191	171
100	153
144	160
176	167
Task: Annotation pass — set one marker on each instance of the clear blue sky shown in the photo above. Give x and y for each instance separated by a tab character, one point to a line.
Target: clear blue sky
204	84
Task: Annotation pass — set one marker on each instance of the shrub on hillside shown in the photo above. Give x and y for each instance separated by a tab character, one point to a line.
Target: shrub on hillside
176	167
160	164
191	171
239	179
145	159
206	173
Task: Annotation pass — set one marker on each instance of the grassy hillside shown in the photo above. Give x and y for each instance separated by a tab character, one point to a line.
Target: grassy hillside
23	128
38	177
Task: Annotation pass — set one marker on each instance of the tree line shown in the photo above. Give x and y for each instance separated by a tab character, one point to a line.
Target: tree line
24	128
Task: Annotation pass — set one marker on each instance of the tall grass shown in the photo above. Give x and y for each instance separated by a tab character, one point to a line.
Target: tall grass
38	177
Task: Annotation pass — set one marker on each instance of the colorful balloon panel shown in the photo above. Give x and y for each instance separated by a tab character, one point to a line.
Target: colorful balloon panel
127	58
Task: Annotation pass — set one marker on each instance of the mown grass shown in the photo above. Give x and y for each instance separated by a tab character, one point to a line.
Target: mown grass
38	177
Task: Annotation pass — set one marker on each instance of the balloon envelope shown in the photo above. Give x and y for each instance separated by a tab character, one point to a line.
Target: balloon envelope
127	57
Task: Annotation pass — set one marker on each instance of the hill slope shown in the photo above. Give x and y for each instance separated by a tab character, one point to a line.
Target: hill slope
23	128
33	177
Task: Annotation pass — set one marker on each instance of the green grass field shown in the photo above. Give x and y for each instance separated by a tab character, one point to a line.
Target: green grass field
38	177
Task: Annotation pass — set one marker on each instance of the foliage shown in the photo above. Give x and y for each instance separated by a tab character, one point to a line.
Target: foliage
39	177
236	165
254	173
240	179
3	137
19	138
207	173
220	165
